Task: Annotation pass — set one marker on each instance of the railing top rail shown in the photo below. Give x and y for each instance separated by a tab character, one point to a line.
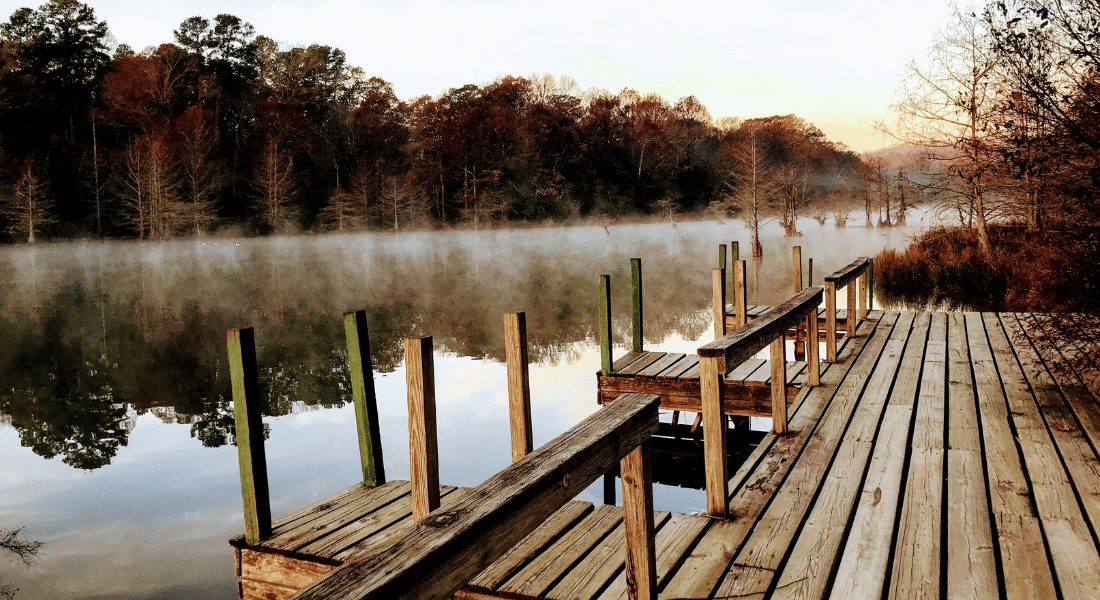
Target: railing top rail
741	344
850	272
448	548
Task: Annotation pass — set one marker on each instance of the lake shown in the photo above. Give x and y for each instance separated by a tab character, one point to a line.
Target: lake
115	427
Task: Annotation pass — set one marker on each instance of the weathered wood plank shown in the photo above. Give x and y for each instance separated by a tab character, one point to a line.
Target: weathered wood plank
312	511
423	439
672	544
1074	554
251	589
689	362
658	367
444	551
963	431
771	464
625	360
916	569
363	397
519	384
640	364
538	576
641	562
971	568
531	546
241	345
370	528
1023	558
294	573
862	569
928	431
846	274
714	434
327	521
742	343
595	572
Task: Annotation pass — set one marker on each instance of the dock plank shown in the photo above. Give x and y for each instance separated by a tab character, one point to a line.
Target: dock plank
667	361
672	543
756	563
596	570
538	576
916	568
534	544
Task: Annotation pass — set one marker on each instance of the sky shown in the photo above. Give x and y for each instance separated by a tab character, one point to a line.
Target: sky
835	64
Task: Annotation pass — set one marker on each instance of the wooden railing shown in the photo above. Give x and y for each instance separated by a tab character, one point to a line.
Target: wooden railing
444	551
727	352
855	275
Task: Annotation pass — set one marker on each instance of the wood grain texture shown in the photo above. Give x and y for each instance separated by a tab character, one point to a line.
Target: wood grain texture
423	439
641	561
241	345
718	301
741	344
444	551
916	569
714	434
519	384
778	358
830	321
971	566
852	270
740	299
363	396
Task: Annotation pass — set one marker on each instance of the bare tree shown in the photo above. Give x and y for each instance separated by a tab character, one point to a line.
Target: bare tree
753	189
198	169
946	105
149	183
274	180
28	208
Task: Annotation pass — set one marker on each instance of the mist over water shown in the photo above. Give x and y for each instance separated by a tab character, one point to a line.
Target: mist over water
114	416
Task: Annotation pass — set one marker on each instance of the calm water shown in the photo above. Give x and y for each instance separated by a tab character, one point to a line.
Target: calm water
114	426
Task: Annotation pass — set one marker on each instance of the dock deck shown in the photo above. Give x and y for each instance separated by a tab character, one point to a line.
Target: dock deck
941	456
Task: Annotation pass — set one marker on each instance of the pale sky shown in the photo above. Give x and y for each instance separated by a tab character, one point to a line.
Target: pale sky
835	64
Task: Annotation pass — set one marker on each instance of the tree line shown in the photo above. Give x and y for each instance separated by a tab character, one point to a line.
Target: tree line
222	127
1004	109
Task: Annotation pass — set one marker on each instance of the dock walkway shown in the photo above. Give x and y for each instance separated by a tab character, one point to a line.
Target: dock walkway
941	456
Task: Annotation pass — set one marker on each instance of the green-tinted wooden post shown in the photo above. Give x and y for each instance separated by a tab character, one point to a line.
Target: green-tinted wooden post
810	272
721	256
734	254
733	261
362	392
636	303
243	373
605	324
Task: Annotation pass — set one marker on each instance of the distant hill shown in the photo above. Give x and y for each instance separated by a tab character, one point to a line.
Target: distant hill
898	155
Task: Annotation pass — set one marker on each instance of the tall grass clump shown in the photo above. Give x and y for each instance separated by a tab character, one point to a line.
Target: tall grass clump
944	268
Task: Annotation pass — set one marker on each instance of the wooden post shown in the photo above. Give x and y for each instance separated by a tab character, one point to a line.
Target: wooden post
830	322
636	304
641	555
796	268
813	354
870	283
851	288
721	256
711	369
740	302
722	265
796	275
519	384
863	295
809	271
363	395
778	358
244	375
717	280
605	324
423	446
734	251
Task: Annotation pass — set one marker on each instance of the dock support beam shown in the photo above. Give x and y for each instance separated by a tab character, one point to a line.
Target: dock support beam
641	554
636	303
711	369
740	299
366	402
604	288
423	445
778	358
718	286
830	322
863	294
519	384
852	292
244	374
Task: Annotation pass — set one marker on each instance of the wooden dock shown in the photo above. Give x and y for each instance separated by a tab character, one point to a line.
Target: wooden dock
941	456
